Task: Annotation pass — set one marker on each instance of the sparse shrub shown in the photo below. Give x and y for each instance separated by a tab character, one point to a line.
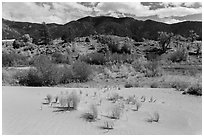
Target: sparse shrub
81	71
92	115
195	89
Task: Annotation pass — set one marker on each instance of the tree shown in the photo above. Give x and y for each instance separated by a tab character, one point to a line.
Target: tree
192	36
165	40
45	36
179	40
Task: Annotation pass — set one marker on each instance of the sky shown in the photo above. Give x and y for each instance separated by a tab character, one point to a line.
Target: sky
64	12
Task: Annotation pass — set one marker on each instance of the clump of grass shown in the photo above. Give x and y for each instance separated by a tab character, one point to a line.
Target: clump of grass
154	117
92	115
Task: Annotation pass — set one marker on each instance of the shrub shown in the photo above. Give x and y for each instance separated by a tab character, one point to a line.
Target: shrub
65	75
94	58
81	71
7	78
60	58
180	85
179	55
128	85
152	69
13	59
195	89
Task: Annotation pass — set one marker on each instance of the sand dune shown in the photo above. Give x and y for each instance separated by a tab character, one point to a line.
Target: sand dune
22	114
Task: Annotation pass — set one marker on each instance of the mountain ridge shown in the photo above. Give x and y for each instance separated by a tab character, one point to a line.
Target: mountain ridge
126	26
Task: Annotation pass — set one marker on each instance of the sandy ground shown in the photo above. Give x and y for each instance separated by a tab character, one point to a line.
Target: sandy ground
179	114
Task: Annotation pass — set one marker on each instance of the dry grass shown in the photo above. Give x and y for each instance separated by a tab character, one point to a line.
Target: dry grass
116	112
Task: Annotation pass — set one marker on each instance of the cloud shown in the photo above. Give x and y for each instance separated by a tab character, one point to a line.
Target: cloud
67	11
171	21
39	12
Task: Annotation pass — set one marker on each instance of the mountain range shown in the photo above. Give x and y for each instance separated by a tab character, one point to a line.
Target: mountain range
125	26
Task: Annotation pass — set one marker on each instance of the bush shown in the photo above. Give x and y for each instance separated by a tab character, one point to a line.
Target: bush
13	59
65	74
30	78
81	71
60	58
94	58
7	78
179	55
195	89
45	74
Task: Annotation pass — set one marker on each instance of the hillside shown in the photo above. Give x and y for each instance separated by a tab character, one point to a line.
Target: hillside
130	27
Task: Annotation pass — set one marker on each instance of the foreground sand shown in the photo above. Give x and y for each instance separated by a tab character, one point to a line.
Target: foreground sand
179	114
